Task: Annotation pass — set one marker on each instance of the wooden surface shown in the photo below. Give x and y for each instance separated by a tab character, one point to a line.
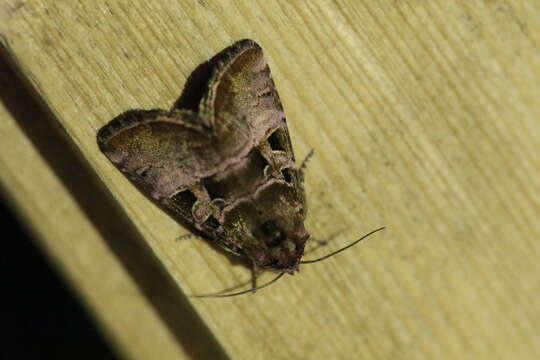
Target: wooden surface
424	116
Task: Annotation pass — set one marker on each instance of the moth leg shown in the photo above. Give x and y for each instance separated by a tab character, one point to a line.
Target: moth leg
204	206
318	241
276	159
188	236
303	165
255	272
321	243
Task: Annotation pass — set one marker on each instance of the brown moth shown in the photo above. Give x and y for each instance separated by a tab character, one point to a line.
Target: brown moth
224	163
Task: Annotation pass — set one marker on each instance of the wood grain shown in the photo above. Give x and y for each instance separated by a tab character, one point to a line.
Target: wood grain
423	117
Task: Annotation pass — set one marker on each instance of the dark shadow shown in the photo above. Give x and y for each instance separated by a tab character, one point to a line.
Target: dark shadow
195	87
37	121
44	313
197	82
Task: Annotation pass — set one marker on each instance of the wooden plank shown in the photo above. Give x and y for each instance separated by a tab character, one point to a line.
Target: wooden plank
423	117
69	214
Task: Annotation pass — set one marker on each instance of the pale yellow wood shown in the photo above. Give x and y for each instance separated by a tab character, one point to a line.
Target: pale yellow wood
423	116
72	240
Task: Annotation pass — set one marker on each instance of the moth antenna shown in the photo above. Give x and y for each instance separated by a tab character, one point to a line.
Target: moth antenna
343	248
306	159
245	291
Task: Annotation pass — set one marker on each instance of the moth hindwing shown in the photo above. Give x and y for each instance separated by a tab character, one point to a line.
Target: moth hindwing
221	160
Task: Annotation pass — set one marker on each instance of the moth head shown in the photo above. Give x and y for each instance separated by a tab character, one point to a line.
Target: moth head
280	244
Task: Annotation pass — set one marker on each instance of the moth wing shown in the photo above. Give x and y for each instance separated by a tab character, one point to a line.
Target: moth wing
242	92
160	151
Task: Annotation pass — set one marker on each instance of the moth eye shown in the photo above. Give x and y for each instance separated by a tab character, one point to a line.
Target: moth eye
275	239
271	234
275	142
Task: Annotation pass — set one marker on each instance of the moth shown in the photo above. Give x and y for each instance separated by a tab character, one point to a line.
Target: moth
221	160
